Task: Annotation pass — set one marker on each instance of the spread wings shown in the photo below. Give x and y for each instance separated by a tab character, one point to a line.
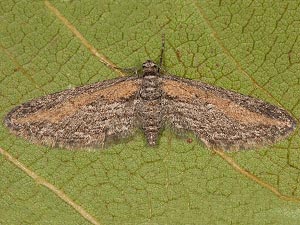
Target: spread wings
220	118
80	117
90	115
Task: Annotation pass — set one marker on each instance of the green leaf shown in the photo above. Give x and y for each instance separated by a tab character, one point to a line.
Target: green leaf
248	46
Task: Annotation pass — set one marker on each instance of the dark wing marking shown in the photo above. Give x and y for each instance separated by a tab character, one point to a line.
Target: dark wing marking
85	116
220	118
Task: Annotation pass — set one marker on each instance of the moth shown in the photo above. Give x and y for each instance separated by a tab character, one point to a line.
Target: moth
94	114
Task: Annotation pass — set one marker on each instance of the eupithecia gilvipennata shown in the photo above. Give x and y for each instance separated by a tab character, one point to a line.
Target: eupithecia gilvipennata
91	115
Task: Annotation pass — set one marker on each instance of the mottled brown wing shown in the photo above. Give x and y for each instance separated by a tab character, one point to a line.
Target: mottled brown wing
223	119
81	117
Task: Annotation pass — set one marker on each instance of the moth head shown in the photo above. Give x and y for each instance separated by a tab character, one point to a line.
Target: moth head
150	66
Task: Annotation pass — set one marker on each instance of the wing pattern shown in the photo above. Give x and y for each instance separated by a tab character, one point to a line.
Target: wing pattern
220	118
86	116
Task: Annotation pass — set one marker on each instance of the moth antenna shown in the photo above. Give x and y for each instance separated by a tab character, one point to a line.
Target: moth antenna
161	51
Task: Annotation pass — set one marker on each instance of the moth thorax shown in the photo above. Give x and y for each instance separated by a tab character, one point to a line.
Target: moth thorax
150	89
